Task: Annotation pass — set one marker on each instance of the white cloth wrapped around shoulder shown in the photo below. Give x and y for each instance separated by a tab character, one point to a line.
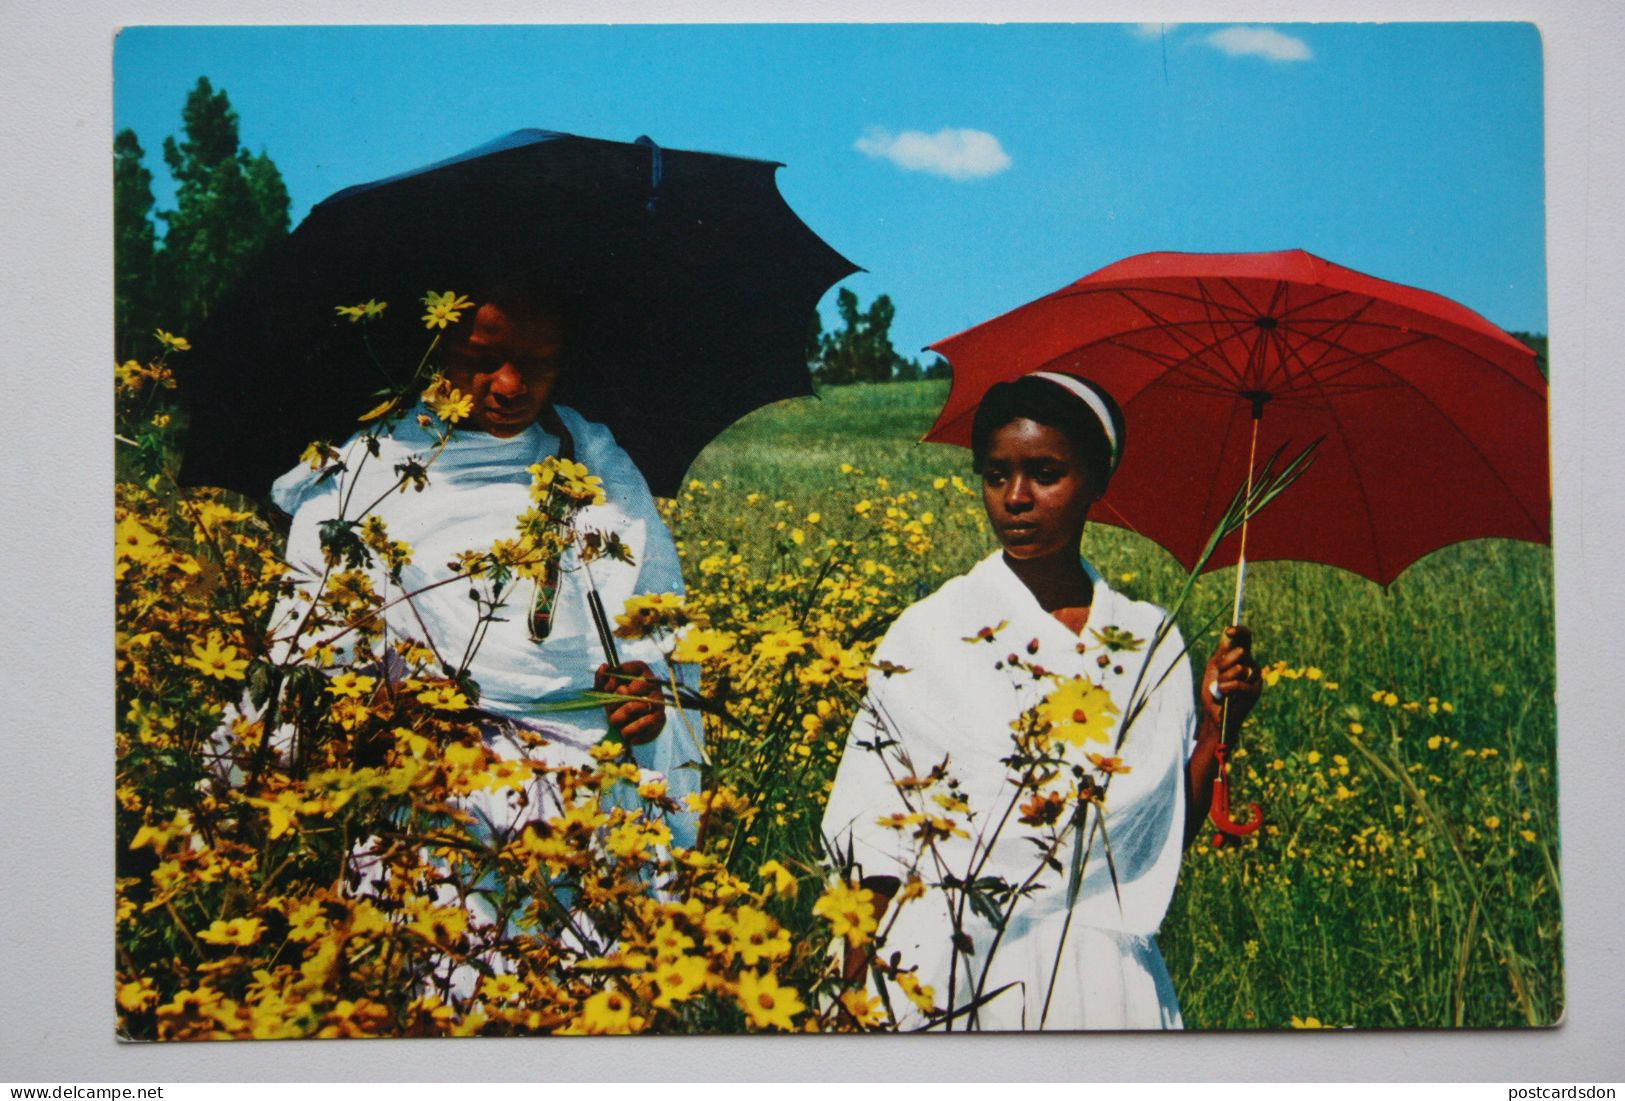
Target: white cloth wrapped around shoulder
955	704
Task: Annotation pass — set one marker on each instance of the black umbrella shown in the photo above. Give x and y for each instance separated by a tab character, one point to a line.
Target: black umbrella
690	281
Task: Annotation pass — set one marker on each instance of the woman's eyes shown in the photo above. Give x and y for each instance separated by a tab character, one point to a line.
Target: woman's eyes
1043	475
486	365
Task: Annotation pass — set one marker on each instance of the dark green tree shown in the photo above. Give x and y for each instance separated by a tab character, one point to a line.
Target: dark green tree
1537	344
229	207
134	248
861	350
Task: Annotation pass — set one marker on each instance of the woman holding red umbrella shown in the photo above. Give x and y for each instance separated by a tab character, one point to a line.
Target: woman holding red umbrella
1023	718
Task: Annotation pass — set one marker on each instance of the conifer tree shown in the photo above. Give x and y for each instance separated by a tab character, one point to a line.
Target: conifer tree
134	247
230	206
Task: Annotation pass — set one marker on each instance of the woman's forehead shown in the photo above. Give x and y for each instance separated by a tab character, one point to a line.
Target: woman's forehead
494	324
1024	438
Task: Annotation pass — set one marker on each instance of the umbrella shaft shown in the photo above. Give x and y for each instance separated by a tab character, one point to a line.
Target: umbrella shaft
1241	555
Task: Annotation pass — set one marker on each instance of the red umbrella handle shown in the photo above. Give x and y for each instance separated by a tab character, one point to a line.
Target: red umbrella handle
1220	810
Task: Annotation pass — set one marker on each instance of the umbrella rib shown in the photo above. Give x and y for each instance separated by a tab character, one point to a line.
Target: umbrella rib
1189	366
1353	359
1320	336
1075	291
1359	479
1168	362
1173	331
1329	296
1462	348
1472	444
1238	329
1245	301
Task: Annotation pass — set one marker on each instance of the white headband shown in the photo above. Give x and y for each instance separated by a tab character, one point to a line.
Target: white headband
1085	393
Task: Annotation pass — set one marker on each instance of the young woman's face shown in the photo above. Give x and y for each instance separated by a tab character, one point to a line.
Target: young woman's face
1036	491
509	365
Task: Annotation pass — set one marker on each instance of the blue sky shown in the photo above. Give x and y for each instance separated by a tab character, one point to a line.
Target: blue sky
968	168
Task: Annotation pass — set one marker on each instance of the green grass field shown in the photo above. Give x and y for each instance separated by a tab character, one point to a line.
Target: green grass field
1405	755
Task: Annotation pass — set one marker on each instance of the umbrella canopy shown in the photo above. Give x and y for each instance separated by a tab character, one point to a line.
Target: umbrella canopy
1434	420
689	281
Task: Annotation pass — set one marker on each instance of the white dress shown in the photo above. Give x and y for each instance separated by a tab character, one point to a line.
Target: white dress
956	704
478	487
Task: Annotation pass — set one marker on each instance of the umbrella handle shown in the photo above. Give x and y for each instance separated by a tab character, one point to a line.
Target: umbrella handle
1219	812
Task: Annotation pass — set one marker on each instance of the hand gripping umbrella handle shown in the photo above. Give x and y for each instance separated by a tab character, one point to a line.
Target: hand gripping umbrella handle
1220	810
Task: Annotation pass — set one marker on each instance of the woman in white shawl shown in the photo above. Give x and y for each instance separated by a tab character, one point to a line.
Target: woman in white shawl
506	363
1031	757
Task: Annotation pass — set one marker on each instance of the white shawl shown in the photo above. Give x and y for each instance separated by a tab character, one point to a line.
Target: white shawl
478	487
954	703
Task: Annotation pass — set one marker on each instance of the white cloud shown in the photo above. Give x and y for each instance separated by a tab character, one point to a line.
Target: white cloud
1260	42
1152	30
956	154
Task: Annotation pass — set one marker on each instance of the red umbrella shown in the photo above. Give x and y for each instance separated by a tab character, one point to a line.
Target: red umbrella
1432	420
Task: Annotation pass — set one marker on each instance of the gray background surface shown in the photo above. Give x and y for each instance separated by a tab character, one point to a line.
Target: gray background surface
56	693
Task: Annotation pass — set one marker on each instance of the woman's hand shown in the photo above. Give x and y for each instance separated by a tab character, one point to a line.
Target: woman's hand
643	716
1231	674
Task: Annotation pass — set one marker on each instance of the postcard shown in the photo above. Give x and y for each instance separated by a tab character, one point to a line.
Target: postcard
832	528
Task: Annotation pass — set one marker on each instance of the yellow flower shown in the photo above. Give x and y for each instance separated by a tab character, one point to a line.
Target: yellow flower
1108	764
172	342
132	540
1492	822
650	612
608	1012
1309	1022
501	988
566	478
680	979
669	942
921	995
701	644
1079	712
369	309
444	698
378	410
867	1011
850	911
766	1003
351	686
215	659
447	402
439	924
1314	757
135	996
777	879
779	645
1527	835
444	308
238	931
318	453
